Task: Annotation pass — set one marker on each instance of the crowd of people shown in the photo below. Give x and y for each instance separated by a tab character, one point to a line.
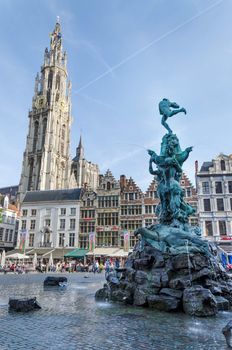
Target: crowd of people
96	266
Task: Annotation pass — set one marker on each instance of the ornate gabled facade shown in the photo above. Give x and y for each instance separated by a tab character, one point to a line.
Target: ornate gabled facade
83	172
108	211
132	207
88	213
190	197
151	201
46	162
214	189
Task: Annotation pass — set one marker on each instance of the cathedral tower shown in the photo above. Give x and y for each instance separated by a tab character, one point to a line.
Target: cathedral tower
46	162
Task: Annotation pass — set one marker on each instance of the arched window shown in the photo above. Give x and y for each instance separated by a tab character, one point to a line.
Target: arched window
58	81
50	77
44	131
38	171
223	165
31	165
63	132
35	138
48	97
108	185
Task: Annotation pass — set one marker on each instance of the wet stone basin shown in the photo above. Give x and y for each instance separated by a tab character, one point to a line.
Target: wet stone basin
71	319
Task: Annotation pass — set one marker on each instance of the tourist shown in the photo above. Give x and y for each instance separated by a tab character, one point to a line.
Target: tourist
117	263
107	266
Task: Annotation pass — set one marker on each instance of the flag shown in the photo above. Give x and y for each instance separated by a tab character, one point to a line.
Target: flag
1	215
92	238
126	235
22	243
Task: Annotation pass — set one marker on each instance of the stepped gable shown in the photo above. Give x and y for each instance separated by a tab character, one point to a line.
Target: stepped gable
185	182
106	179
152	188
130	186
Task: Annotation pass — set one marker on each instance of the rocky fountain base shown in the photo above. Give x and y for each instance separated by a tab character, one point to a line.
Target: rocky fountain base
186	277
171	268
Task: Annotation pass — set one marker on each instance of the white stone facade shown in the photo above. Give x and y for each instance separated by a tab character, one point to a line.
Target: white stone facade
214	187
51	219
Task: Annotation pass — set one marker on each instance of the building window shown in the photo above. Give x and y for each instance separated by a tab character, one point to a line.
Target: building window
72	224
106	201
230	203
62	148
6	235
63	132
71	239
58	81
24	212
218	187
108	186
207	206
44	127
62	211
50	77
1	233
188	192
84	241
208	228
33	212
47	222
61	239
32	227
31	239
222	227
11	236
73	211
62	223
205	187
24	224
230	186
223	165
36	131
220	204
108	239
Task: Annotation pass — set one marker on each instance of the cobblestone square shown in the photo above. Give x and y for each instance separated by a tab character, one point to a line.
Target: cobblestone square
72	319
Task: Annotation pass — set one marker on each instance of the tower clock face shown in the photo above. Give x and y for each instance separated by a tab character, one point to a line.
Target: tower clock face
40	102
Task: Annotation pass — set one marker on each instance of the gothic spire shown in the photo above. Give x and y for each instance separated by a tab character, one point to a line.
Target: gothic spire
56	37
80	150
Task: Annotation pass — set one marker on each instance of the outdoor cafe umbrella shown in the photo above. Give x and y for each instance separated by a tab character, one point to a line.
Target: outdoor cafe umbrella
35	260
50	263
18	256
3	259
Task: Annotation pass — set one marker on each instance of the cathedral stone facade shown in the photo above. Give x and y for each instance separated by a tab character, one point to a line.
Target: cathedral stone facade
46	163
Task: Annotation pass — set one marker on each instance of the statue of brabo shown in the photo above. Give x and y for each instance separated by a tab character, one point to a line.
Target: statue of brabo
173	212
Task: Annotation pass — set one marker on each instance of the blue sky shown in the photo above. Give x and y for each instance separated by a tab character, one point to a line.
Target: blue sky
124	56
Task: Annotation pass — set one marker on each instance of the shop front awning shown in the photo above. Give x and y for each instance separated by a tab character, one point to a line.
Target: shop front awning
103	252
77	253
120	254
